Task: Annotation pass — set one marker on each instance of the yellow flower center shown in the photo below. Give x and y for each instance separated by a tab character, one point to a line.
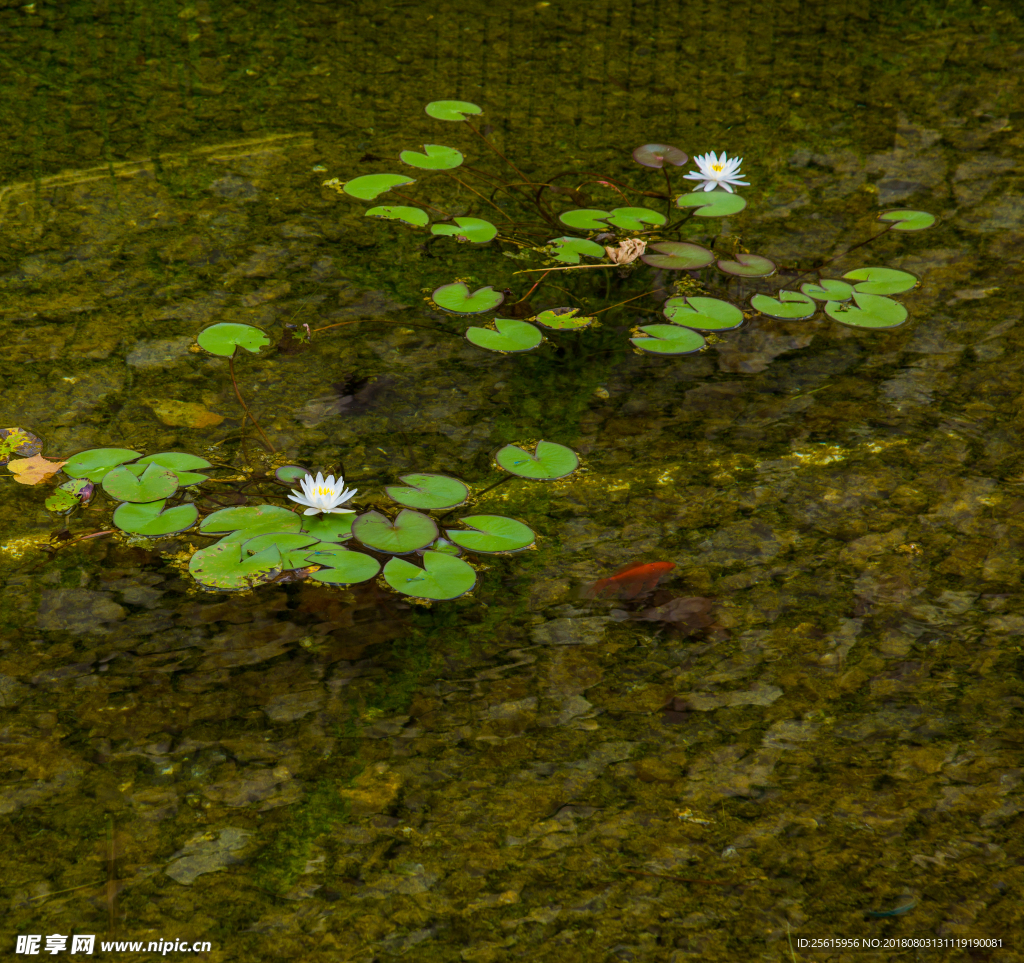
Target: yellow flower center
717	168
325	491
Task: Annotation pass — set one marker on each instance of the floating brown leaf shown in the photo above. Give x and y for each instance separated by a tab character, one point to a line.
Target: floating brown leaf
32	471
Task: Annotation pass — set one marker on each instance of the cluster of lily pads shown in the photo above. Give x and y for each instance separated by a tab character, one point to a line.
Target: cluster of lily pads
861	298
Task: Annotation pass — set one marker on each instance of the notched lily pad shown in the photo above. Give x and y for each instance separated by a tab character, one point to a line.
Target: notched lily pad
407	532
456	298
407	215
182	464
585	219
508	335
96	462
153	519
428	491
790	306
748	266
252	519
153	484
871	311
908	220
293	547
330	528
451	109
568	250
69	496
442	578
658	155
563	319
370	186
474	230
549	461
677	256
223	568
828	289
223	338
712	203
703	314
435	157
635	218
668	339
881	280
290	474
490	534
342	567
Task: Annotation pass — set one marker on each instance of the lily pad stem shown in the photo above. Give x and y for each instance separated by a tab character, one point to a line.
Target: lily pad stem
481	196
496	151
245	407
815	270
408	324
477	496
644	295
414	201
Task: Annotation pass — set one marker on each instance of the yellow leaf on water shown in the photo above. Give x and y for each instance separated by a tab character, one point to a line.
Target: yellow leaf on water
184	414
32	471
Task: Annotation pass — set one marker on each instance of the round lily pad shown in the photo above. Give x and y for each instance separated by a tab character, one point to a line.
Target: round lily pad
434	158
252	519
703	314
428	491
407	215
330	528
451	109
290	474
224	337
442	578
342	567
828	289
407	532
96	462
585	219
563	319
871	311
293	546
182	464
370	186
881	280
223	567
635	218
472	229
17	441
658	155
456	298
508	335
669	339
154	483
677	256
569	249
748	266
790	306
908	220
491	534
151	518
443	545
712	203
548	462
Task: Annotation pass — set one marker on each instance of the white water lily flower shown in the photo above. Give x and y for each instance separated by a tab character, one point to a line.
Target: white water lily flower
627	251
323	496
717	172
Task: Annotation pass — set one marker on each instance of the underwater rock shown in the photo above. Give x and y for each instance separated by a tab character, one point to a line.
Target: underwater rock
78	611
207	853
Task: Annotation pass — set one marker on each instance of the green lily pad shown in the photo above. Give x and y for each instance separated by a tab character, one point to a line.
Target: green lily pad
96	462
748	266
151	518
67	496
712	203
790	306
223	567
828	289
509	335
657	155
635	218
179	462
872	311
677	256
408	215
330	528
290	474
223	338
475	230
548	462
251	519
17	441
908	220
434	158
881	280
669	339
342	567
293	546
370	186
585	219
569	249
451	109
491	534
407	532
154	483
442	578
563	319
456	298
703	314
443	545
428	491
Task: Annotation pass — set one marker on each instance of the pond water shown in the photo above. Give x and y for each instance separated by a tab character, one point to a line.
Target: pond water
525	773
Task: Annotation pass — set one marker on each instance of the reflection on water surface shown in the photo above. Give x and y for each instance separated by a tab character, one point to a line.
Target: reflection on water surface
518	775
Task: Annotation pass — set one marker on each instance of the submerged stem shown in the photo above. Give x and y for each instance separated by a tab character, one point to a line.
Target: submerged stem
245	407
496	151
481	196
637	298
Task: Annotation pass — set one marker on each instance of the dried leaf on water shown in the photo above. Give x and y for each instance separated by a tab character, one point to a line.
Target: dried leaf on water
32	471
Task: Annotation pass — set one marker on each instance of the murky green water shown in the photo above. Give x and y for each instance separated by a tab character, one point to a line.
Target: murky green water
311	774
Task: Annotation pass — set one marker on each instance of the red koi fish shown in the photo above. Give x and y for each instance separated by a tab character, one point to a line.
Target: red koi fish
634	580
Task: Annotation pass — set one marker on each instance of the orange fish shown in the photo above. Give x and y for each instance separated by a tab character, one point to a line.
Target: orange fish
634	580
